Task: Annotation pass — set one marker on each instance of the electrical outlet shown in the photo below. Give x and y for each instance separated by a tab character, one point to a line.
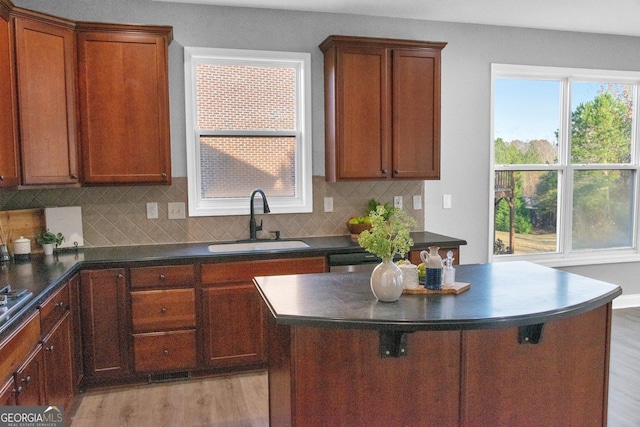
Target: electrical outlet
176	210
328	204
152	210
397	202
446	201
417	203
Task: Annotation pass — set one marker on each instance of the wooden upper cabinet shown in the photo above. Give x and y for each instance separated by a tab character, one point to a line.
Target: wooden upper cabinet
124	103
382	108
9	166
46	77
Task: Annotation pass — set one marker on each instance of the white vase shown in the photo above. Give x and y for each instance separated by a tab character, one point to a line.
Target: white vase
48	248
387	281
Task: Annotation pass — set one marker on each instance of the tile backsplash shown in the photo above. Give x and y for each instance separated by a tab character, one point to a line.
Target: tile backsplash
116	216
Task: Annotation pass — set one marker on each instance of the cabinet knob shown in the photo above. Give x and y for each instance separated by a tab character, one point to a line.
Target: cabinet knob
165	352
384	171
60	304
26	380
74	176
50	348
119	276
396	171
1	177
162	277
163	310
18	390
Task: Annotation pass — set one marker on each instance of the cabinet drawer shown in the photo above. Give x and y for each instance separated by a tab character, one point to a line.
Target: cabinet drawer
160	310
17	346
236	271
162	276
162	351
54	308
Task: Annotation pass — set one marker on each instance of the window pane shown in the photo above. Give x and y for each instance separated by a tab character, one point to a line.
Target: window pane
602	209
526	121
235	166
525	212
601	123
233	97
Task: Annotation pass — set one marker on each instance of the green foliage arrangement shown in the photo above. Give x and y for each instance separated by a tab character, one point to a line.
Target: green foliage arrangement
388	236
388	210
47	237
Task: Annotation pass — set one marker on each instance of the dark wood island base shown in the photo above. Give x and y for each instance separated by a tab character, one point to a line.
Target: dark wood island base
327	367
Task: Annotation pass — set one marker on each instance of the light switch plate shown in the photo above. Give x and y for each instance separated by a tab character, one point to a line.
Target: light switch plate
446	201
417	203
328	204
152	210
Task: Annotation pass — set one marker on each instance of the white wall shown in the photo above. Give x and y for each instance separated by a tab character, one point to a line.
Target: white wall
466	94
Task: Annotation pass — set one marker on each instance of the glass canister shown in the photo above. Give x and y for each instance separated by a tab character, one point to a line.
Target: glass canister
410	275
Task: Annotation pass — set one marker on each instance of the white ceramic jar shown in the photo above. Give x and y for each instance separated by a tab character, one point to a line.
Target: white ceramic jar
22	248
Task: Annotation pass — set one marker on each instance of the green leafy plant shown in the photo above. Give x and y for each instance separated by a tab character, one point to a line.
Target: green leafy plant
387	211
47	237
388	236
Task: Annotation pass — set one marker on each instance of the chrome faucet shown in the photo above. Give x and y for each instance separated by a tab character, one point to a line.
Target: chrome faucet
253	226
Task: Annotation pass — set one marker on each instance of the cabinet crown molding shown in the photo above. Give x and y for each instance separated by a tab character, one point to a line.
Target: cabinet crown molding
380	42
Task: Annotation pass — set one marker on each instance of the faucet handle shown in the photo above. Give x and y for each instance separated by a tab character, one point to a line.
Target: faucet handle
259	227
276	234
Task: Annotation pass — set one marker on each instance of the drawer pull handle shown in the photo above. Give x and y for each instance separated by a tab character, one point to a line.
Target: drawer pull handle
163	310
162	277
165	352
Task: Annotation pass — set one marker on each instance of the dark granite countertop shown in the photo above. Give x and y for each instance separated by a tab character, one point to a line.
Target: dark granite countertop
501	295
42	275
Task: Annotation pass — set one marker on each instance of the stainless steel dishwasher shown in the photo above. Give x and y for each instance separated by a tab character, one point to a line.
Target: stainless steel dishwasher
357	261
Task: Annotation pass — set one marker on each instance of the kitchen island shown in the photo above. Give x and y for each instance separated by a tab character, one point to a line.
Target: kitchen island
525	345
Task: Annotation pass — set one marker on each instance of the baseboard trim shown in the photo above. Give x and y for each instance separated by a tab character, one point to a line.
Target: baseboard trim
627	301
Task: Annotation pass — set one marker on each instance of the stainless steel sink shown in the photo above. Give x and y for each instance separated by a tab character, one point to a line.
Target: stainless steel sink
258	245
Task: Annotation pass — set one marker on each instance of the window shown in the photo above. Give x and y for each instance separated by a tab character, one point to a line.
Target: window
565	164
248	126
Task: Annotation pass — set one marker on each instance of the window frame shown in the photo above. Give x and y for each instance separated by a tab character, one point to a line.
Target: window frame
302	201
565	169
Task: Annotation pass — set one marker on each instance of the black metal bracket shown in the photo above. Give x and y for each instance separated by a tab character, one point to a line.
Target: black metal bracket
393	343
530	334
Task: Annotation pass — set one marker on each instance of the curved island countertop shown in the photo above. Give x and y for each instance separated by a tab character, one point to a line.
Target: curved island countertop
501	295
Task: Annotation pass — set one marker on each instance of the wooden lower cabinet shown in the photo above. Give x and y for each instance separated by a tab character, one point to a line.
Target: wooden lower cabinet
105	324
58	382
233	326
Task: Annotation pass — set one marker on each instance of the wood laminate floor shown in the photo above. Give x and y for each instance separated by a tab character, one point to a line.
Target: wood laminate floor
241	400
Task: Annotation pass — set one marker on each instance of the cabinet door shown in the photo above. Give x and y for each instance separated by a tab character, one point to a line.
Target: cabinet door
124	107
416	113
8	119
234	325
105	326
45	54
363	142
30	380
232	316
58	383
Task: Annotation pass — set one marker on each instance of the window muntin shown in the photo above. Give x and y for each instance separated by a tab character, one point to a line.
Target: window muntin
589	176
248	126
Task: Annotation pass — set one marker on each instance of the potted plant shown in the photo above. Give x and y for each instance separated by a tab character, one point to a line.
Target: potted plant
49	240
389	236
357	224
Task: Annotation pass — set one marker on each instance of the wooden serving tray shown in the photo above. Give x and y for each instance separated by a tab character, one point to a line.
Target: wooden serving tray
454	289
